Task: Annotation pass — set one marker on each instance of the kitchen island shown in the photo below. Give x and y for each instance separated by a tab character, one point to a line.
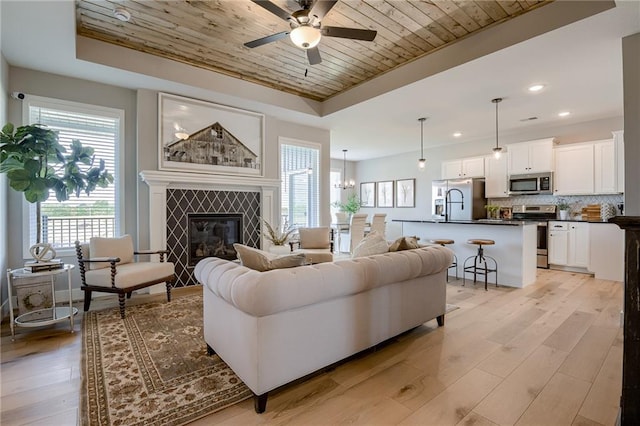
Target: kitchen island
514	250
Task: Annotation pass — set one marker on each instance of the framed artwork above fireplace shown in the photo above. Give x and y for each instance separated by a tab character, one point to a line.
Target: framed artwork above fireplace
203	137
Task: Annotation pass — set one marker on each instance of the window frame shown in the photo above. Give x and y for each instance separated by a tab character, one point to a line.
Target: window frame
319	173
29	209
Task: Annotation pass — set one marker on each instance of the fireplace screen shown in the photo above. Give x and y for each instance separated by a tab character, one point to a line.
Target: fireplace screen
213	234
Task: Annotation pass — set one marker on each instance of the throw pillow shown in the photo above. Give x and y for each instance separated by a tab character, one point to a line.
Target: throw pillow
373	243
404	243
121	247
261	261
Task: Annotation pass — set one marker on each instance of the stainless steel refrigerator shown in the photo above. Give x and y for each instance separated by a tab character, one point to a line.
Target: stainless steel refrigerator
458	199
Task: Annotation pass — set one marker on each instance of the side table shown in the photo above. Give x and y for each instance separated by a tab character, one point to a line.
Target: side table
41	317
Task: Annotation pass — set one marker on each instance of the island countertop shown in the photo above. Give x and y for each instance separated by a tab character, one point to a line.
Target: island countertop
471	222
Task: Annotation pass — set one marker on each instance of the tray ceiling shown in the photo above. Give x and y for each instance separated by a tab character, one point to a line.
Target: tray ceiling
211	35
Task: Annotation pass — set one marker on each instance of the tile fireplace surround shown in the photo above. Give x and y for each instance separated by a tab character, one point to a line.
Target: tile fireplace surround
174	194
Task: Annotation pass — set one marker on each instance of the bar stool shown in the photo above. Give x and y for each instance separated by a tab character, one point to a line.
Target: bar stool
443	242
478	260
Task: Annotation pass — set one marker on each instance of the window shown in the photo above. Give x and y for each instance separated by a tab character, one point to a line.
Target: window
96	214
299	169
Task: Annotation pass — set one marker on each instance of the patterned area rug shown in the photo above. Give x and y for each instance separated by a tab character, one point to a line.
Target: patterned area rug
152	368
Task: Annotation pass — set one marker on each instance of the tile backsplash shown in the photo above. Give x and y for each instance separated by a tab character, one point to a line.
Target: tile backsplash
577	202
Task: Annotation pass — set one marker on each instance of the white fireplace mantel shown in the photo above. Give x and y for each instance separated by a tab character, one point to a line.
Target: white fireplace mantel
160	181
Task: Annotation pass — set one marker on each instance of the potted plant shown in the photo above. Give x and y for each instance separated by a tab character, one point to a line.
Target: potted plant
352	205
36	164
563	208
279	236
492	211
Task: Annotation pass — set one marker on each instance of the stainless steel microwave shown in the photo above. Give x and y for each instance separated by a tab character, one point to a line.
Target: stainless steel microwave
535	183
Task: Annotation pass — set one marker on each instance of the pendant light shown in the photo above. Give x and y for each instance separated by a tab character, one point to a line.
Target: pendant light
345	184
497	151
422	162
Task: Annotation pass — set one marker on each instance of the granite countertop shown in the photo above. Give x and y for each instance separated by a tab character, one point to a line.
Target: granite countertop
471	222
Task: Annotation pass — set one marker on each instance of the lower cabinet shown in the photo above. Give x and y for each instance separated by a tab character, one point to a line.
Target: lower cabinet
569	244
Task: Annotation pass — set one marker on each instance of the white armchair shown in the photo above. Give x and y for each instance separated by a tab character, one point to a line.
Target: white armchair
315	243
107	265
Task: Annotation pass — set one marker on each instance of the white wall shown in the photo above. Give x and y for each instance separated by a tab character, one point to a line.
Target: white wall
631	71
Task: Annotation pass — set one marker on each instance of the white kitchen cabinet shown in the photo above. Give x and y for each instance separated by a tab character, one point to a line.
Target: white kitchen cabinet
574	169
463	168
605	167
568	244
495	177
618	139
606	252
578	253
558	243
530	157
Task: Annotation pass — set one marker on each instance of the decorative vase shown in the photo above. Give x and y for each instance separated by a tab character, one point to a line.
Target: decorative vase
564	214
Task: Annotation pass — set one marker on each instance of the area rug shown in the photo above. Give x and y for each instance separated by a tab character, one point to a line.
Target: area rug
152	368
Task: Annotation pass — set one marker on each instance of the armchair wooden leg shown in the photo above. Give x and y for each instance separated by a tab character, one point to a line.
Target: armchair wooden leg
121	303
168	284
87	300
129	295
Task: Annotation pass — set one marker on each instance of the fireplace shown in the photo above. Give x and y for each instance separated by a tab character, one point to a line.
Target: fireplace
213	234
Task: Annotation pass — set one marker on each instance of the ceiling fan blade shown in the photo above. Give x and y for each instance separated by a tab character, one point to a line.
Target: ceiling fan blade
267	39
322	7
354	33
280	13
313	55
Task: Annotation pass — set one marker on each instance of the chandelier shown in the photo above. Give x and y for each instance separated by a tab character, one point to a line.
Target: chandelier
346	184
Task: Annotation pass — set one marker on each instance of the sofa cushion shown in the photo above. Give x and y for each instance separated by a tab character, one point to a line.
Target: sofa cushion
130	274
121	247
404	243
373	243
260	260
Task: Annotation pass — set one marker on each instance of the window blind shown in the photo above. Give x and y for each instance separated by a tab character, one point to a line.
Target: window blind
299	166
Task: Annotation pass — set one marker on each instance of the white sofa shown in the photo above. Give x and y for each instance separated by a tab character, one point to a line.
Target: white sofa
277	326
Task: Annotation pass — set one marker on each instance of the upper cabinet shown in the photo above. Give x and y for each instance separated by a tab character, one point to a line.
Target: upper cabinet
463	168
574	169
618	140
588	168
530	157
495	172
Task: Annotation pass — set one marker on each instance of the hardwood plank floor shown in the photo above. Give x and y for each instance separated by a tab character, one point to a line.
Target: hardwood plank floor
550	354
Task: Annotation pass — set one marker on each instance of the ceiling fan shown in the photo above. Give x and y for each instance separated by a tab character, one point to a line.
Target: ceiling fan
306	29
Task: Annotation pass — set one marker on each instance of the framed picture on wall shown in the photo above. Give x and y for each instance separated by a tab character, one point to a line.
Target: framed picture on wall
368	194
203	137
405	193
385	194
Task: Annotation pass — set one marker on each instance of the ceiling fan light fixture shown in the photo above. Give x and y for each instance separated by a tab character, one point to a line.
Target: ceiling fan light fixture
305	36
122	14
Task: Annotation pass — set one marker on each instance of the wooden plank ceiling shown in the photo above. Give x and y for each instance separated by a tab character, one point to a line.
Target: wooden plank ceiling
211	34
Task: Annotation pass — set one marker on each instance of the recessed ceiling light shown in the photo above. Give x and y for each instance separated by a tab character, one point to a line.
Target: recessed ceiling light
457	134
563	114
536	87
122	14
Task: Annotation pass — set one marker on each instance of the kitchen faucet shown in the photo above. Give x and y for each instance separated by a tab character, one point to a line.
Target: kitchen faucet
447	201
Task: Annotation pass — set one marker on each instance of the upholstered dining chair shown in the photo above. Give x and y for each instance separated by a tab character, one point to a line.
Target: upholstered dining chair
342	229
356	229
379	224
107	265
316	243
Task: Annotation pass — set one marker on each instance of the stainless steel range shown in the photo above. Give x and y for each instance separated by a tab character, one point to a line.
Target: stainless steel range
539	213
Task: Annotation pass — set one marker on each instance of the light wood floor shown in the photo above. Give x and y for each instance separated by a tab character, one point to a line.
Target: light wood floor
549	354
